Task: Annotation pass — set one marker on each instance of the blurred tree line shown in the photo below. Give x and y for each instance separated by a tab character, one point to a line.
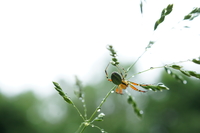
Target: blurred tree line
176	110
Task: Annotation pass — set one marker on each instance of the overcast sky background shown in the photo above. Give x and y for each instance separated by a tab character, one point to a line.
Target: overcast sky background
46	40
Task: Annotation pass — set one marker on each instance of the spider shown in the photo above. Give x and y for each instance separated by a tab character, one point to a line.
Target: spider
119	80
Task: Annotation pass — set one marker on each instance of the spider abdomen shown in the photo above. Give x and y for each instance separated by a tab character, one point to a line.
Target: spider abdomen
116	78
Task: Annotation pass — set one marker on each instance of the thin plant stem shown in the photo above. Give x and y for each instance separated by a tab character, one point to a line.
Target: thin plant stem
147	47
102	102
84	106
85	109
97	127
79	128
159	67
83	129
136	60
78	112
81	95
149	69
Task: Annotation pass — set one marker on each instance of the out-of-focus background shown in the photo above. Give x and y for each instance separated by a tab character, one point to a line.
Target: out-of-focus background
45	41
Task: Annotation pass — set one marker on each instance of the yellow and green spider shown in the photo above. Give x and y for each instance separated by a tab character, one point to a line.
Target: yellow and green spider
119	80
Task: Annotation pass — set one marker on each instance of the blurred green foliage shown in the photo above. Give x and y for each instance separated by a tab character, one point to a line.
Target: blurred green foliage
176	110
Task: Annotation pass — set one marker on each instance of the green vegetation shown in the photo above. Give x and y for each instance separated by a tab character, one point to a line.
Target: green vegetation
96	108
177	110
121	83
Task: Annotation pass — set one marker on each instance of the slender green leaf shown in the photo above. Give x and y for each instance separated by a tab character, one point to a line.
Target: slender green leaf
57	85
169	9
185	73
156	24
187	17
195	10
193	14
163	12
176	67
113	53
161	86
197	61
141	7
162	18
78	92
174	75
166	11
158	87
150	44
134	105
194	74
60	91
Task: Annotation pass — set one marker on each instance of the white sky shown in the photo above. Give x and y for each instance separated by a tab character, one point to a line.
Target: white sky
44	40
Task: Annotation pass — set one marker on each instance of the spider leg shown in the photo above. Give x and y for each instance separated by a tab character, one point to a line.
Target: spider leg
109	79
125	72
134	88
137	84
107	73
